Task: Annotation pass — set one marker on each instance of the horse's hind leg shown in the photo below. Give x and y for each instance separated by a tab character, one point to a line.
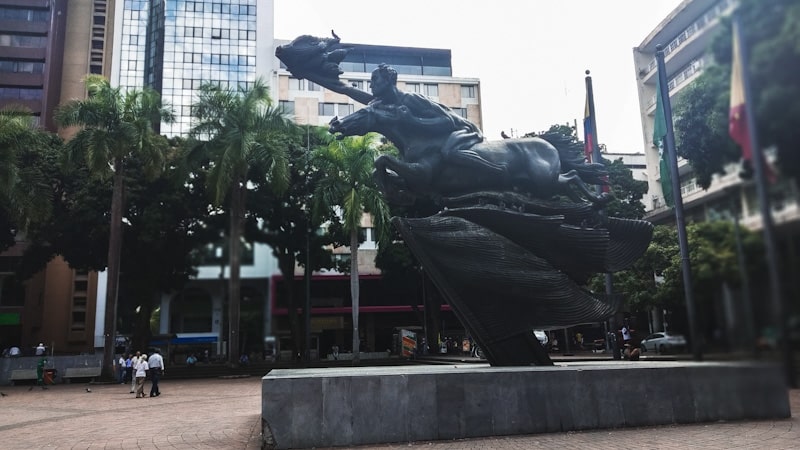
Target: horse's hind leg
572	179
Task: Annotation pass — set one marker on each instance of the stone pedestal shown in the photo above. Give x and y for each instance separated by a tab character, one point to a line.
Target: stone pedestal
304	408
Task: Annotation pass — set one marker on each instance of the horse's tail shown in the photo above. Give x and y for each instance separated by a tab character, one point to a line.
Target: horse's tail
570	152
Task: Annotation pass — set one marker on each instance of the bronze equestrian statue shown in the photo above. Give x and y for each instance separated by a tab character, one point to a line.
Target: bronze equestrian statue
520	230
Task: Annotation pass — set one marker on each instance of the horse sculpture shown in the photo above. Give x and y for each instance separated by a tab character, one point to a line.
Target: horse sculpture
532	166
507	250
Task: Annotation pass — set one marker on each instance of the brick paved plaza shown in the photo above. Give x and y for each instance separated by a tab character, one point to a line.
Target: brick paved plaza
225	414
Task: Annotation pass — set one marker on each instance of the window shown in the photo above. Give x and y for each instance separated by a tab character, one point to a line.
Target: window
358	84
413	87
688	186
313	86
432	90
80	282
327	109
460	111
335	109
286	106
296	84
344	109
468	91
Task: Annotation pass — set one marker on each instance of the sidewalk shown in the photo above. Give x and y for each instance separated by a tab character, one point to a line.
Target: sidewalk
226	414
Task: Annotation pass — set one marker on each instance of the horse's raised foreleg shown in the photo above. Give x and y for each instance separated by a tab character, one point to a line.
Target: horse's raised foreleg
571	180
416	176
397	179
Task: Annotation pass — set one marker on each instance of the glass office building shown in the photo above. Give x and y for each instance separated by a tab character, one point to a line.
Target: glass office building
174	46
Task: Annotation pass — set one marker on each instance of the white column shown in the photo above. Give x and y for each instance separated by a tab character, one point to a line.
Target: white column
216	316
163	326
100	310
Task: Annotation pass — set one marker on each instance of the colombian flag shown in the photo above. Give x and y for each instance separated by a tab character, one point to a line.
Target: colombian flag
588	135
737	116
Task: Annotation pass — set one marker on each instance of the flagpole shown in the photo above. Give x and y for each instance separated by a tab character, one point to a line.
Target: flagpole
672	158
759	169
597	158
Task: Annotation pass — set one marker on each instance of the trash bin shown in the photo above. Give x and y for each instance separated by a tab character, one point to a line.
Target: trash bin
49	376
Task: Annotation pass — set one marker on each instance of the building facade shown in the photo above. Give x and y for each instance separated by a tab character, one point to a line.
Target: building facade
31	55
176	46
46	49
685	35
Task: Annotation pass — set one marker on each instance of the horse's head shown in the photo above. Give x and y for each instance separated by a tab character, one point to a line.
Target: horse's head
354	124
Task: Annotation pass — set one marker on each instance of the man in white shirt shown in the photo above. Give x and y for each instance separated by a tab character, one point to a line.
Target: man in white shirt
156	363
134	361
121	369
141	374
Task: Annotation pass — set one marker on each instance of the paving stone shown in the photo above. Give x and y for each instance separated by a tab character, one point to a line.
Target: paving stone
225	414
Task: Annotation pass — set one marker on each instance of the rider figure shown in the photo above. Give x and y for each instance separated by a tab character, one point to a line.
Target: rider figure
430	116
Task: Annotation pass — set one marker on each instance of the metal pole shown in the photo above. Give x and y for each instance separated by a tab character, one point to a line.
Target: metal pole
307	306
598	158
679	219
746	303
766	213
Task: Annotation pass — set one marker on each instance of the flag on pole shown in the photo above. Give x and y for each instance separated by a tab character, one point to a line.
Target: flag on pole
738	121
659	135
737	116
588	135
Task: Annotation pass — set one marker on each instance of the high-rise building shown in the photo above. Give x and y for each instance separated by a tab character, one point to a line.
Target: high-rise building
31	55
176	46
46	49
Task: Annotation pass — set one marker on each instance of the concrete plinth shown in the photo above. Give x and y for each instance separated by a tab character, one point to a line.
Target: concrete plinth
304	408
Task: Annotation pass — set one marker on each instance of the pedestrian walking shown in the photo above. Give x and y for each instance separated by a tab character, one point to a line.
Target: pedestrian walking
134	361
156	364
141	373
40	373
121	368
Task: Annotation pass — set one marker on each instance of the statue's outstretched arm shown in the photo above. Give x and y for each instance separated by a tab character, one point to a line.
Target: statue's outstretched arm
317	59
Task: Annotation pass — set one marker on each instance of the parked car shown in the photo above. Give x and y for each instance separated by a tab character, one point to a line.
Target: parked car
663	342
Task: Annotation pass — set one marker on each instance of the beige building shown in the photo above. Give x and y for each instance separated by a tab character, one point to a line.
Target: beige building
685	35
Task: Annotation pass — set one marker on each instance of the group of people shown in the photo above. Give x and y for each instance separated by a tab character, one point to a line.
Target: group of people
14	351
134	369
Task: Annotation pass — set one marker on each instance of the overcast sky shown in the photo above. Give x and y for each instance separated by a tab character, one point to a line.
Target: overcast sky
530	55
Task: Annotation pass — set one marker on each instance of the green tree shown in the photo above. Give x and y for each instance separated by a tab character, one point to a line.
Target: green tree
701	110
284	222
167	220
114	126
627	192
26	159
239	131
348	164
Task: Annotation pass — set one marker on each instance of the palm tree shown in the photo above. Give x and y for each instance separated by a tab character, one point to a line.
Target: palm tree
348	164
114	126
238	131
24	190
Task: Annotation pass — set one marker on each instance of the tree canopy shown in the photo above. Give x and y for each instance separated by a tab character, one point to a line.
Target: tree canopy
238	132
28	157
701	110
